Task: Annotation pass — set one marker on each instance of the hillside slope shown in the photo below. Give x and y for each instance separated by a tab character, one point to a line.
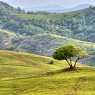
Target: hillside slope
29	74
17	64
46	43
78	25
41	33
42	44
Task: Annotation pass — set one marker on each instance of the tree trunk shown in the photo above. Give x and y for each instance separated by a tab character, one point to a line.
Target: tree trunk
67	61
71	66
76	62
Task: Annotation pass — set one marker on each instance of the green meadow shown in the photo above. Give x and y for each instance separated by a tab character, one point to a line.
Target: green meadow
29	74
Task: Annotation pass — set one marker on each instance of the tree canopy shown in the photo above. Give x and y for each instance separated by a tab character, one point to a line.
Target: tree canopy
69	53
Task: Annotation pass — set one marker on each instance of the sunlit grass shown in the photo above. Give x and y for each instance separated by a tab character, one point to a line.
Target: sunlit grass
29	74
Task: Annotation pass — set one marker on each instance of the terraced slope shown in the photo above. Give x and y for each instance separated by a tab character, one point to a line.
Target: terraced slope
28	74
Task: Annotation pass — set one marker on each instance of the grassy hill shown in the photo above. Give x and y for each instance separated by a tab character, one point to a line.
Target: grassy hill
29	74
24	64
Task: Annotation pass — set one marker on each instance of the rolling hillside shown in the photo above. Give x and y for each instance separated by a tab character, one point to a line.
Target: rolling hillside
29	74
42	32
17	64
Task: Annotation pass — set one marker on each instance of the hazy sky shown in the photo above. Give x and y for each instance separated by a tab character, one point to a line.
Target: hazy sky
32	4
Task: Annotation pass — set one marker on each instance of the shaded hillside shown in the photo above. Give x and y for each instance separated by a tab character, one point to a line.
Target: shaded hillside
42	44
89	61
45	44
7	39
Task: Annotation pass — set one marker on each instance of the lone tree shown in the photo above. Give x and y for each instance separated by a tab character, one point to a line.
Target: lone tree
70	53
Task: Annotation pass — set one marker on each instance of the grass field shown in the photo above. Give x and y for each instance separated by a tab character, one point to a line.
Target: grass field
28	74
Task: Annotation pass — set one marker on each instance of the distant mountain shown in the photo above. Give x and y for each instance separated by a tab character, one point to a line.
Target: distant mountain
58	9
49	8
82	6
78	7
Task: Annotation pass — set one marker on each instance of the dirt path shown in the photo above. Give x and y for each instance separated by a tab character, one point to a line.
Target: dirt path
80	84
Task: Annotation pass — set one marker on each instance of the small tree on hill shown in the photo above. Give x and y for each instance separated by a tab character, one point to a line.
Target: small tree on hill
69	53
